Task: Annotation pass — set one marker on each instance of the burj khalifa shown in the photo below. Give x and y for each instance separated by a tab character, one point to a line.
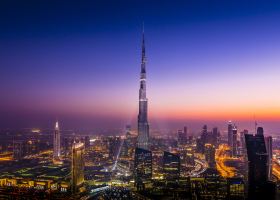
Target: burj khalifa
143	125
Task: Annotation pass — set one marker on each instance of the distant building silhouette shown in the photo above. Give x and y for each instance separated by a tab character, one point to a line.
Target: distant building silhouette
230	134
182	136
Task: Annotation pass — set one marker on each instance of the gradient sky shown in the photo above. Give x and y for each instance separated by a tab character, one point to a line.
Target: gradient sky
208	61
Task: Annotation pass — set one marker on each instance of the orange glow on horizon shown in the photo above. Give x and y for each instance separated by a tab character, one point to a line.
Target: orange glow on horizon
220	114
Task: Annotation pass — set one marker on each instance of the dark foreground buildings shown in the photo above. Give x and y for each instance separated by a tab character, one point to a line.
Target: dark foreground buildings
142	168
171	169
259	187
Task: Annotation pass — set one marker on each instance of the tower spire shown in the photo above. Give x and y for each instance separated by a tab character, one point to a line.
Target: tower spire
143	60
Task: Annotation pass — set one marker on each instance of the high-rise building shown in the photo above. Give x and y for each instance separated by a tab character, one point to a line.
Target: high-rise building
199	145
171	168
216	136
142	168
56	143
234	141
143	125
186	131
210	155
182	136
143	157
258	185
77	169
203	139
268	144
230	127
242	142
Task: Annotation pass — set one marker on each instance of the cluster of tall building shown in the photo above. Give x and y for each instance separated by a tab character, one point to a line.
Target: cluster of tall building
208	137
256	149
77	158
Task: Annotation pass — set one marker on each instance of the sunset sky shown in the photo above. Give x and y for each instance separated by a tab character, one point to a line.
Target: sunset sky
207	61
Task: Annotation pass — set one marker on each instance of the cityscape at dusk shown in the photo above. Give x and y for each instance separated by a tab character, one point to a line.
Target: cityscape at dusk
140	100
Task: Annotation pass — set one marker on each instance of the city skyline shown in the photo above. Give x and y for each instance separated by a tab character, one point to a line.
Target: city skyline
205	124
209	66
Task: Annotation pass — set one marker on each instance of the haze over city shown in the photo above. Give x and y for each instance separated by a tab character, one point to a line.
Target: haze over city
140	100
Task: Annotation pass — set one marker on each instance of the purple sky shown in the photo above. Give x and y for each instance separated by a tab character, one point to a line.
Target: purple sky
208	61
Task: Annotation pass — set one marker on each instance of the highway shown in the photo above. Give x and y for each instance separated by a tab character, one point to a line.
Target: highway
221	157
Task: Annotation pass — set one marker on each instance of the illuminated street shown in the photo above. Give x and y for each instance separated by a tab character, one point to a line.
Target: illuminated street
139	100
221	157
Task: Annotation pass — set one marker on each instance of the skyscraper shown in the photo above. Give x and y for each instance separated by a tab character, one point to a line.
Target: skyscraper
210	155
143	157
230	127
258	185
268	144
182	136
242	142
203	139
143	125
142	168
216	136
171	168
77	168
234	141
56	143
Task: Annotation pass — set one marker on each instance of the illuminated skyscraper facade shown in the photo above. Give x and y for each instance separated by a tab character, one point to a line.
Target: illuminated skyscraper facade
210	155
268	144
142	168
56	143
143	125
230	136
143	157
77	167
234	141
171	168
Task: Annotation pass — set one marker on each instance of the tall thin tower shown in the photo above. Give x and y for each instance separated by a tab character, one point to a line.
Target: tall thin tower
56	143
143	125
